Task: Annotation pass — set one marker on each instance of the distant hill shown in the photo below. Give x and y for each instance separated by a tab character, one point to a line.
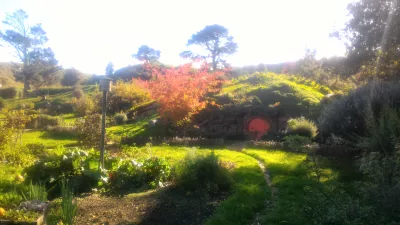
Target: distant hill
7	73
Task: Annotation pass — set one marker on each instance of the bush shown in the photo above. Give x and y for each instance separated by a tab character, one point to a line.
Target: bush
130	174
71	77
78	92
125	96
296	142
42	121
36	148
303	127
79	166
203	174
62	130
88	130
83	106
2	103
120	118
8	93
383	134
346	117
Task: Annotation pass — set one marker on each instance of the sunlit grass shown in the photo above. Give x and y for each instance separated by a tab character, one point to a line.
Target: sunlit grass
290	174
47	139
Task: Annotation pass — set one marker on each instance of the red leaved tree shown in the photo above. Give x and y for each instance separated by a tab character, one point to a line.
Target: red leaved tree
181	91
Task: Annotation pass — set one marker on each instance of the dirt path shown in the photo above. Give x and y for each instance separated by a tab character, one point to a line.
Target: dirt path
268	203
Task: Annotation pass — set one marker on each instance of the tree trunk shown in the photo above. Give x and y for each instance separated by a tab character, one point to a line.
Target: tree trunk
214	63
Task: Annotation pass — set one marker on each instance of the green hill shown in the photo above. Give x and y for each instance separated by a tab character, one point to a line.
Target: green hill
296	95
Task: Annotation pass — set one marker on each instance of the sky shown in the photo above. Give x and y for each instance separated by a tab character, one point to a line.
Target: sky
87	34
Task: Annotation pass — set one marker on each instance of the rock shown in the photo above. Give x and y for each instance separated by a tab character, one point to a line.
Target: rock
34	205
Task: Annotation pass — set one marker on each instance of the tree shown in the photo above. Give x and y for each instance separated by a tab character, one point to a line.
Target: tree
25	40
373	30
109	69
147	54
216	40
71	77
180	91
43	69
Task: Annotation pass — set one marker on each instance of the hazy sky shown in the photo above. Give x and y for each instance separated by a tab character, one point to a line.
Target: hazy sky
87	34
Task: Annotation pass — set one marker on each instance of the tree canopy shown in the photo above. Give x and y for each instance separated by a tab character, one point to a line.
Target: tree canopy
215	39
373	30
109	69
147	54
28	42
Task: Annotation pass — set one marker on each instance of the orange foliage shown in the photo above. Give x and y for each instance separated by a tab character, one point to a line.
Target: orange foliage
181	91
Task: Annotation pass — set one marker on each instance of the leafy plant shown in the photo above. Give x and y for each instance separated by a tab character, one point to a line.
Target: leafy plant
88	130
120	118
68	207
296	142
36	192
203	174
83	106
302	126
7	93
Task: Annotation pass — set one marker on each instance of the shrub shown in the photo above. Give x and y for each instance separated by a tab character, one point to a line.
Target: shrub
42	121
346	117
203	174
2	103
301	126
62	130
83	106
296	142
8	93
36	148
125	96
58	107
120	118
88	130
383	132
79	166
130	174
71	77
78	92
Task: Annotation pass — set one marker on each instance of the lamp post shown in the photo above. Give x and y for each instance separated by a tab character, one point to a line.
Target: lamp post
105	86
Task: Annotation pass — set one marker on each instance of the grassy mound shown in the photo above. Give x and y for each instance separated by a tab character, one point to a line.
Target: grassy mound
297	96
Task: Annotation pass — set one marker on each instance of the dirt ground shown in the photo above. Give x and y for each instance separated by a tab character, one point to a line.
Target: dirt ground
165	206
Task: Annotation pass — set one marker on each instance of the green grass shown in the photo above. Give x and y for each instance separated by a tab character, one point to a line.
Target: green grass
290	175
48	139
250	189
297	96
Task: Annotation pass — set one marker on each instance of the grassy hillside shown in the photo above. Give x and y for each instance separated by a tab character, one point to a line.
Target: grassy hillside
7	71
297	96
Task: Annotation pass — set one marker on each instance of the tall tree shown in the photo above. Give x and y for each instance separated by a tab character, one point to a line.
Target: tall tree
216	40
109	69
147	54
24	38
43	69
373	29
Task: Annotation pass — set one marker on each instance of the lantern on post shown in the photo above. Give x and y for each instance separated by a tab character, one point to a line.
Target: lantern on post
105	86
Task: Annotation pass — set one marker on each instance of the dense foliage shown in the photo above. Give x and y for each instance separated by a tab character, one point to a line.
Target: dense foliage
7	93
203	174
180	91
302	126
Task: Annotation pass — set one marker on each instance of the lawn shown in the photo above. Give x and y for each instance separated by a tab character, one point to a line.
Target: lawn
48	139
290	175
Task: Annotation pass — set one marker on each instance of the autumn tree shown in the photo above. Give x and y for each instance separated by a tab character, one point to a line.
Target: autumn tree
109	69
147	54
180	91
215	39
25	39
